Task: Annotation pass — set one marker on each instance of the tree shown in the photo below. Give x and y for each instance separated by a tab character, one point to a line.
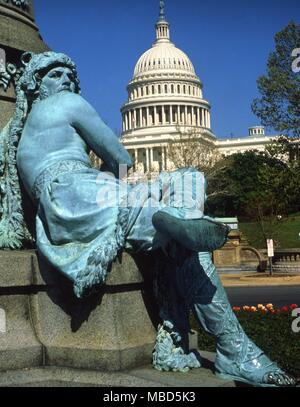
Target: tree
260	186
288	151
192	149
279	105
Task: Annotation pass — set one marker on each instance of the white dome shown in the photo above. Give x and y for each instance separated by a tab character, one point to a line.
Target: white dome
163	56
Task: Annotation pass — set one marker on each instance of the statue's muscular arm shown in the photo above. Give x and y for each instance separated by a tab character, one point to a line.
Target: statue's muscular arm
99	137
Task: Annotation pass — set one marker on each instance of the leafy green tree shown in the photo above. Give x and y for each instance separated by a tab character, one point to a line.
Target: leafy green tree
240	178
259	186
288	151
279	104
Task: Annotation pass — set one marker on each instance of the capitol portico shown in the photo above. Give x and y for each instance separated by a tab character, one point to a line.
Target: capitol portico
165	100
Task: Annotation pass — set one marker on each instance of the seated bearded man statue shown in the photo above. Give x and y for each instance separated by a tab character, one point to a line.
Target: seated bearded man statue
85	216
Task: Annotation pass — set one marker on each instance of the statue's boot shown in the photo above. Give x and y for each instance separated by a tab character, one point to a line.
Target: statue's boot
238	358
199	235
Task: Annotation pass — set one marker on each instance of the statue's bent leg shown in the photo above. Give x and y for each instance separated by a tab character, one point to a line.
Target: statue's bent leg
238	358
199	235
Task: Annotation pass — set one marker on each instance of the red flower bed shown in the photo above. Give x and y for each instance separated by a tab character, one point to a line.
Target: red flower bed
264	309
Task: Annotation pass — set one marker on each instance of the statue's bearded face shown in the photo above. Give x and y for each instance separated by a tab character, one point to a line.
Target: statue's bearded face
57	80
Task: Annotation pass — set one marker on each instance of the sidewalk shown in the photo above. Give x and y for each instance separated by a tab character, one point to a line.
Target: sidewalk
253	279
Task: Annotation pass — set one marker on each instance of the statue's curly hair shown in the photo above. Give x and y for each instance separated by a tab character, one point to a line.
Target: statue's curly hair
37	66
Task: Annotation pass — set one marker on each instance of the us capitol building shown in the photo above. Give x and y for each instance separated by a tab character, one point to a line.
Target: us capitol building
165	99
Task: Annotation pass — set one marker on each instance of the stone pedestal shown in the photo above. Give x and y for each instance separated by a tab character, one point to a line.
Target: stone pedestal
229	256
48	326
237	255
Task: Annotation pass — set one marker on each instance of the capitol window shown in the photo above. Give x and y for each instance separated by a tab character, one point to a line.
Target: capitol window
167	115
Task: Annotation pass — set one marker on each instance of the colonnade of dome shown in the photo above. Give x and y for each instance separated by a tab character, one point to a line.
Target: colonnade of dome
162	115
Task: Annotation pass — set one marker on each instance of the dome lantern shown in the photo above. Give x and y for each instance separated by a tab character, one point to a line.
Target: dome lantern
162	26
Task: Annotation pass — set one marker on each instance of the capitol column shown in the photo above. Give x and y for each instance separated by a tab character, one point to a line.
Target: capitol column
163	114
147	160
190	115
151	158
135	159
163	158
185	115
155	116
194	116
129	120
198	117
202	117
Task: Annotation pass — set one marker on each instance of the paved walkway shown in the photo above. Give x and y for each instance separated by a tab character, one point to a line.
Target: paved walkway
253	279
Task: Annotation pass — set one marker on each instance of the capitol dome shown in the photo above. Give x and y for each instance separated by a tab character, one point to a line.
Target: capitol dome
164	98
164	59
163	56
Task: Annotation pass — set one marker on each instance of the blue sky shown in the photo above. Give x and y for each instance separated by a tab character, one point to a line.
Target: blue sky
227	41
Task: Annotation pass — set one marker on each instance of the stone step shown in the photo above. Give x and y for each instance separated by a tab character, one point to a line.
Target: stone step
144	376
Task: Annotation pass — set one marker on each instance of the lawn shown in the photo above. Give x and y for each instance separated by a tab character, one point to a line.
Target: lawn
287	233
